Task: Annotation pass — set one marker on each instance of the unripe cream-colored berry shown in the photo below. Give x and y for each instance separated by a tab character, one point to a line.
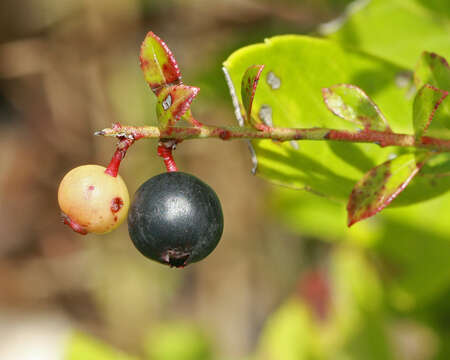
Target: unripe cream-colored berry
93	200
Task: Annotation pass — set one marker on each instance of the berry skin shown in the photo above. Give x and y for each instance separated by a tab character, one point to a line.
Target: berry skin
175	219
93	201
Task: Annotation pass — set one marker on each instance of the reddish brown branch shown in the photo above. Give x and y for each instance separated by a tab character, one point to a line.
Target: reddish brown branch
382	138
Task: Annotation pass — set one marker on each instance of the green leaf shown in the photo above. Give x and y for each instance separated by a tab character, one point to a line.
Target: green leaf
426	103
158	64
83	347
416	276
381	185
248	89
352	103
355	326
177	340
434	70
415	246
361	324
432	181
303	66
173	102
290	334
397	30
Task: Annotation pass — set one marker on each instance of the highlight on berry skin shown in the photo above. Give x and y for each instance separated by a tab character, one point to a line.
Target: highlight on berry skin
93	201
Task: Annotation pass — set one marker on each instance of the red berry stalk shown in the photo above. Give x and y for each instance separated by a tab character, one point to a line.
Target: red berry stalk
166	153
119	154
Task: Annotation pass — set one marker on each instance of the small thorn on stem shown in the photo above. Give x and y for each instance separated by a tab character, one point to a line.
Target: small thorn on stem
165	151
117	127
74	226
119	154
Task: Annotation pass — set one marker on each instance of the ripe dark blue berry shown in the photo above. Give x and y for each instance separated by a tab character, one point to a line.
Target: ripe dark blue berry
175	219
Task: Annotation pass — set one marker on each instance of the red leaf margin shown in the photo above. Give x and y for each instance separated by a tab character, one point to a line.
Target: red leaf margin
352	205
171	72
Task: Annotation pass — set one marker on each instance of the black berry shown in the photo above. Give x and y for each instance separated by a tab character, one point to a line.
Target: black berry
175	219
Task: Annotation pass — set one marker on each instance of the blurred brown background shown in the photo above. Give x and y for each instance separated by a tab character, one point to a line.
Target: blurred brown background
68	68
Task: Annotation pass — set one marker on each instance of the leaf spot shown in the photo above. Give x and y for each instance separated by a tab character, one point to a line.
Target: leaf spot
167	102
273	80
392	156
294	144
265	114
403	79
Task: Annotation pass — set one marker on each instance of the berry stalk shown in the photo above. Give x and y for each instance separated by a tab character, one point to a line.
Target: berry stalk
166	153
119	154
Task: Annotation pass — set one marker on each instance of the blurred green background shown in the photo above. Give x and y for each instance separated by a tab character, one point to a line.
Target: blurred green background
288	279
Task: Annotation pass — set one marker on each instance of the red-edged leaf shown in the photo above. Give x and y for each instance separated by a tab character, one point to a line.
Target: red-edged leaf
188	117
427	101
248	87
381	185
434	70
351	103
432	76
158	64
173	102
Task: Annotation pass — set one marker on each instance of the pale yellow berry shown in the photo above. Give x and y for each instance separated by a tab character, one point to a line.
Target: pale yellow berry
93	200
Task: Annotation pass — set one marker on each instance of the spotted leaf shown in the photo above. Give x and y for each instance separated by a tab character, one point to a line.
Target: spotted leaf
248	88
173	102
188	117
380	185
432	76
426	104
158	64
351	103
303	67
434	70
